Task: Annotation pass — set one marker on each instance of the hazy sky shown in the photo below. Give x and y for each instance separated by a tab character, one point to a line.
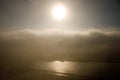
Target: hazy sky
81	14
29	33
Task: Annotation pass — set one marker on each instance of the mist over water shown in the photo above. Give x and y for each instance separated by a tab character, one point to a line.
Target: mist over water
25	53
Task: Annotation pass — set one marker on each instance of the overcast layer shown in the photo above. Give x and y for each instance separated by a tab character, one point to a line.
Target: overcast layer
30	45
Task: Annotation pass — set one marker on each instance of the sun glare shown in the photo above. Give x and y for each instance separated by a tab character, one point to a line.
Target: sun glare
59	12
59	66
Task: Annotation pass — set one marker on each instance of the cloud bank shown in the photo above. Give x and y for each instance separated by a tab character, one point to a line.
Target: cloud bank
55	44
22	48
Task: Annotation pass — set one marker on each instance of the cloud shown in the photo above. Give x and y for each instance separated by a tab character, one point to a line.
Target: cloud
55	44
23	48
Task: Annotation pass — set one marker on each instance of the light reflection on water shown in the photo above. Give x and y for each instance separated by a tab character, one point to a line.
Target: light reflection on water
62	66
81	68
59	66
56	66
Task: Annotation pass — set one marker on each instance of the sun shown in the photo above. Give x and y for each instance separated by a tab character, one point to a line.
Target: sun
59	12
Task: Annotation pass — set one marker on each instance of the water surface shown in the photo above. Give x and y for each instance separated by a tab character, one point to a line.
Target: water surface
91	69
